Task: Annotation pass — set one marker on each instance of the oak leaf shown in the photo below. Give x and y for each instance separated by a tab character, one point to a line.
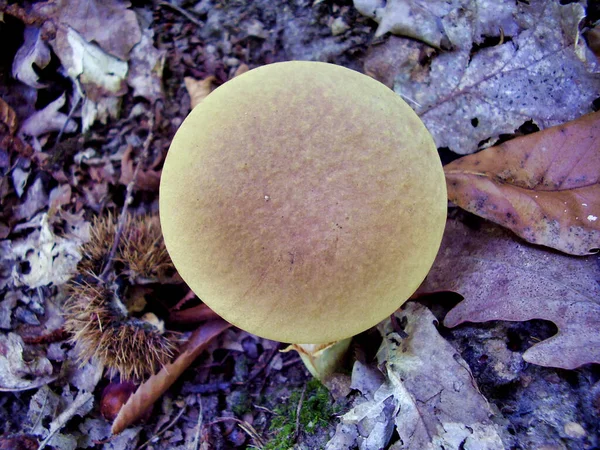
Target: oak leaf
503	278
545	186
469	96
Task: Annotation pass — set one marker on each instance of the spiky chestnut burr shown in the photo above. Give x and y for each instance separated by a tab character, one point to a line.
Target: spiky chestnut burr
141	251
100	316
102	329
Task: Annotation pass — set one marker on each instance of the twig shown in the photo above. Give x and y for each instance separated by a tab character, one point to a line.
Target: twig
196	441
298	410
128	201
183	12
248	429
167	426
81	399
69	116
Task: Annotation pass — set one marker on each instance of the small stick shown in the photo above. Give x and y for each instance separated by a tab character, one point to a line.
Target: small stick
194	444
169	425
128	201
298	410
183	12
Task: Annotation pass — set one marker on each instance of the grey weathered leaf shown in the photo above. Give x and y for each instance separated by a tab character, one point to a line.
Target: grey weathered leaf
429	394
469	96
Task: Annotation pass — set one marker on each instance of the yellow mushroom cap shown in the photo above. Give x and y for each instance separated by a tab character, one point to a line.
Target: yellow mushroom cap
303	202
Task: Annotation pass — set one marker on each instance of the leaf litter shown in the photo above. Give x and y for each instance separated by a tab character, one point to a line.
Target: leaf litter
429	394
470	95
525	48
502	278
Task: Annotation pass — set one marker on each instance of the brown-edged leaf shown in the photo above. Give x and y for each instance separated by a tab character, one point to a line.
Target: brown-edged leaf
545	186
198	90
151	390
503	278
8	117
146	180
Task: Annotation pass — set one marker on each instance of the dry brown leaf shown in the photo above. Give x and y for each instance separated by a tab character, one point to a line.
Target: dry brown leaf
157	384
545	186
8	117
147	180
503	278
198	89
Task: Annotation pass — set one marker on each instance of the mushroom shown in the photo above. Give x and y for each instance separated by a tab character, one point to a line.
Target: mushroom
303	202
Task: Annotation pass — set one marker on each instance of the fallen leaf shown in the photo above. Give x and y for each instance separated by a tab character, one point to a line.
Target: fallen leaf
146	180
101	76
459	23
545	187
33	52
157	384
429	396
146	68
35	200
46	121
198	89
109	23
15	373
472	95
503	278
8	117
50	259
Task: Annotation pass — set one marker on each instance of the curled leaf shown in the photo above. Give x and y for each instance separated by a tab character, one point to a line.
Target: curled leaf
545	187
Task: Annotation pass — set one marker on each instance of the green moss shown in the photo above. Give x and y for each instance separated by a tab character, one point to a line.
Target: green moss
316	411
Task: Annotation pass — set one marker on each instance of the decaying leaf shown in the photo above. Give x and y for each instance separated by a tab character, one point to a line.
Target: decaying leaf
93	42
146	180
16	374
33	52
439	22
8	117
502	278
109	23
198	89
157	384
45	121
146	68
545	186
429	394
470	95
44	258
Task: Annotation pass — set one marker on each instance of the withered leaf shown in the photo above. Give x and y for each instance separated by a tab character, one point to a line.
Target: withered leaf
503	278
151	390
545	186
429	394
473	94
146	180
198	90
8	117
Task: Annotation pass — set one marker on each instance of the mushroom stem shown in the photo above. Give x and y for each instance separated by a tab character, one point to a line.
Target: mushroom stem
322	360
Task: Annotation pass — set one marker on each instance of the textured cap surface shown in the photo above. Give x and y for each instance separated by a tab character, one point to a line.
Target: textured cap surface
302	201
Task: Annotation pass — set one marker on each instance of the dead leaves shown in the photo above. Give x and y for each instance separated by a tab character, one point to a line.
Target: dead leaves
545	187
471	95
429	395
502	278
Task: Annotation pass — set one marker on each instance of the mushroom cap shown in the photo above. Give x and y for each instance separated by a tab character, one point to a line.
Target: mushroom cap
303	202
